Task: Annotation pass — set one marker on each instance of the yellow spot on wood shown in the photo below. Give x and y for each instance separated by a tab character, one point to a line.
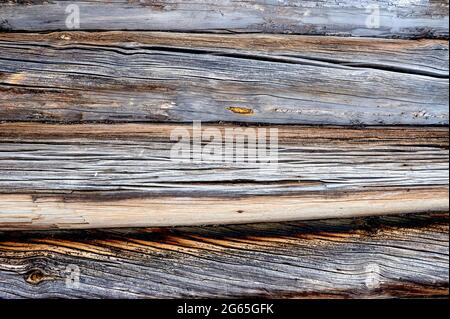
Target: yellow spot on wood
240	110
16	78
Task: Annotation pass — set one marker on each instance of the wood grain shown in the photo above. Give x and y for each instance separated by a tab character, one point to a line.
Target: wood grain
378	257
398	18
153	77
87	176
85	126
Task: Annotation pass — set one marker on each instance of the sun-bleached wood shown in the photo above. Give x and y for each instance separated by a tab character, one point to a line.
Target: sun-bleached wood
28	212
377	18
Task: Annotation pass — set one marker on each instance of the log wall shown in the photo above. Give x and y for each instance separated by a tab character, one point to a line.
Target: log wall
357	206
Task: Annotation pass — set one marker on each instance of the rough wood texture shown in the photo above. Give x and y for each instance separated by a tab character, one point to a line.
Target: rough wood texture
142	77
86	176
380	257
81	148
398	18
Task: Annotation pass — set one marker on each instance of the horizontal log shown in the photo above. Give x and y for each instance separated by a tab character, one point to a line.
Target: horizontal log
381	18
124	175
426	57
378	257
153	77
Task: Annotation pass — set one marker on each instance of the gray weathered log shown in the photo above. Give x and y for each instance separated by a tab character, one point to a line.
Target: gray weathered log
91	175
381	257
87	176
141	77
397	18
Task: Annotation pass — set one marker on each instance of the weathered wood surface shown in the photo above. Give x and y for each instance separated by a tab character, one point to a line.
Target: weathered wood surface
123	175
379	257
144	77
110	172
426	57
397	18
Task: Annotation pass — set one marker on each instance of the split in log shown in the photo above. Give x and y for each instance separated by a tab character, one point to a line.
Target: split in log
124	175
378	257
150	77
376	18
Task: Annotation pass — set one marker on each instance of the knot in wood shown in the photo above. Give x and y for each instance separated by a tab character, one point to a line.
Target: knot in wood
34	277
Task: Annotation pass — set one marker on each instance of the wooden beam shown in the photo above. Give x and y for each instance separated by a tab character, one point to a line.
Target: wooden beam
87	176
150	77
397	18
377	257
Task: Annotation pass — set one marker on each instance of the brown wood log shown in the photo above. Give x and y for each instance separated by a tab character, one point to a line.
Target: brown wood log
377	257
153	77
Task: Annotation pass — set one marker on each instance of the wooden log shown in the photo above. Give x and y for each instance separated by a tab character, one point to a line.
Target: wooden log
425	57
381	18
378	257
150	77
89	176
